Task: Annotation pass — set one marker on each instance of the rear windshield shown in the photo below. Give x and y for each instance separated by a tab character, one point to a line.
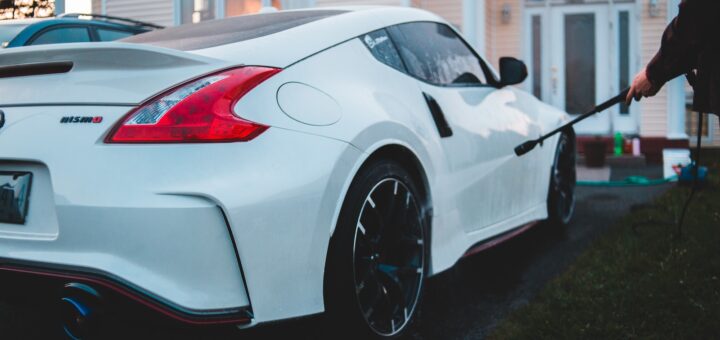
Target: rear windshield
226	31
9	31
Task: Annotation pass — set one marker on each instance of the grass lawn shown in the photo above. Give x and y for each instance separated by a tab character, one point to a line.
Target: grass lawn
642	283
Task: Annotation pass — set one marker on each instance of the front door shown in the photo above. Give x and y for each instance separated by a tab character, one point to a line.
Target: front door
580	55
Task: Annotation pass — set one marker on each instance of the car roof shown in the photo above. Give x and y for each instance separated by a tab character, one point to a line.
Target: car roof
279	38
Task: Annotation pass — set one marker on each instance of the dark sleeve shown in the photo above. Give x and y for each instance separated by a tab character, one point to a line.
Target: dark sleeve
681	43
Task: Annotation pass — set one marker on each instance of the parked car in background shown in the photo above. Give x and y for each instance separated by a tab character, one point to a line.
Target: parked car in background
69	28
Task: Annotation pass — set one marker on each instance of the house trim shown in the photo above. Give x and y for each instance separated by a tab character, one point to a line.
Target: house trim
220	8
177	16
59	7
469	24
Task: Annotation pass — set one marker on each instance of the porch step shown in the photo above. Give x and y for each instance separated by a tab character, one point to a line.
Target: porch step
585	174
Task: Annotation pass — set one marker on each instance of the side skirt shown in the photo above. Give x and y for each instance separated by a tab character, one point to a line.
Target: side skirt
494	241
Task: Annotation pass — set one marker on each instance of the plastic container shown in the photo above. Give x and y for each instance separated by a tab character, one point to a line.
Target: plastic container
636	147
627	146
673	157
687	175
618	144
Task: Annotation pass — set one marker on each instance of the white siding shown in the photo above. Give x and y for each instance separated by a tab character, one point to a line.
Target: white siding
504	39
450	10
155	11
653	113
715	127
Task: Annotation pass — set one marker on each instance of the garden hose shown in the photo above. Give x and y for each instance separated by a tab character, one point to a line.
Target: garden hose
632	181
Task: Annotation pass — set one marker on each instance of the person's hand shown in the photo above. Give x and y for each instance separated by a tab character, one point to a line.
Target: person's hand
641	87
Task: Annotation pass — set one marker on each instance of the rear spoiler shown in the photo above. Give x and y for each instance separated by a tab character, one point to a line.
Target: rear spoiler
96	73
61	58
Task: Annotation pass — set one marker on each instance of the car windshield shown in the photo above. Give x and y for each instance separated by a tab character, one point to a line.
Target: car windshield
9	31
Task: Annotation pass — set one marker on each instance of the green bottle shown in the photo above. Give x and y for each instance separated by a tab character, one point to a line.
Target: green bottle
618	144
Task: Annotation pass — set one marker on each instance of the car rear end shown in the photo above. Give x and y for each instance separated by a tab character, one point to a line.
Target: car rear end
74	204
110	178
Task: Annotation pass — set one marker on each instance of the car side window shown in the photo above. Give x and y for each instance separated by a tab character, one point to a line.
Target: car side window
62	35
434	53
105	34
383	49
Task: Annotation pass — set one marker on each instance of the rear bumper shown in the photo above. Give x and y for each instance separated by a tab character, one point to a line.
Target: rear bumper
58	275
176	253
205	227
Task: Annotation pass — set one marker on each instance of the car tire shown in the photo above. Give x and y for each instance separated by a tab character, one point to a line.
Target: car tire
561	196
378	258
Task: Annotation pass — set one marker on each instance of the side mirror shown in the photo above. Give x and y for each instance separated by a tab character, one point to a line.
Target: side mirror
512	71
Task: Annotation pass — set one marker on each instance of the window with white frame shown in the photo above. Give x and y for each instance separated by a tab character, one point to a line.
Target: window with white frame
194	11
691	120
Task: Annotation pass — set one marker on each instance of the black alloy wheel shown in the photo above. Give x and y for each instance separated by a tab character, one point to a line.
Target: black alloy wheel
561	200
379	251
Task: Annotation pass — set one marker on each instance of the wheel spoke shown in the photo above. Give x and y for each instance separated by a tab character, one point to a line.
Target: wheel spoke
373	224
412	241
563	196
386	201
364	238
394	272
395	293
401	215
372	306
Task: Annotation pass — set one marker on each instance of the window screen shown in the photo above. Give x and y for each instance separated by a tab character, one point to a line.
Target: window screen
580	65
62	35
194	11
383	49
110	35
435	53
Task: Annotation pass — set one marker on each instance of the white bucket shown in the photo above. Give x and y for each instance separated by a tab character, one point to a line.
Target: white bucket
674	157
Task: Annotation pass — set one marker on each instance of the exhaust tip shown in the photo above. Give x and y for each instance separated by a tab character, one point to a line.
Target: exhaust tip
80	310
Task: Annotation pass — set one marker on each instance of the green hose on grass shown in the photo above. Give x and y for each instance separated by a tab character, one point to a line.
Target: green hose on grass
632	181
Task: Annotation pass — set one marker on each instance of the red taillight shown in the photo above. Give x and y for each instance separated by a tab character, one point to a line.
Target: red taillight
200	111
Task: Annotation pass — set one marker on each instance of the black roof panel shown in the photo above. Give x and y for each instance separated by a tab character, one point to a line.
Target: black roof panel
230	30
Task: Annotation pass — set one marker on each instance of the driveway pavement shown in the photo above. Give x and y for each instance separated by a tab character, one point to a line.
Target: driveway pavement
465	302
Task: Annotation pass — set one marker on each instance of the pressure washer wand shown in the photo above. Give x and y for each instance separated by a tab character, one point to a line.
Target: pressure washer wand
531	144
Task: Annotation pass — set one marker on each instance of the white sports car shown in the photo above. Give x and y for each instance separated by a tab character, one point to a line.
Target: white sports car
269	166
